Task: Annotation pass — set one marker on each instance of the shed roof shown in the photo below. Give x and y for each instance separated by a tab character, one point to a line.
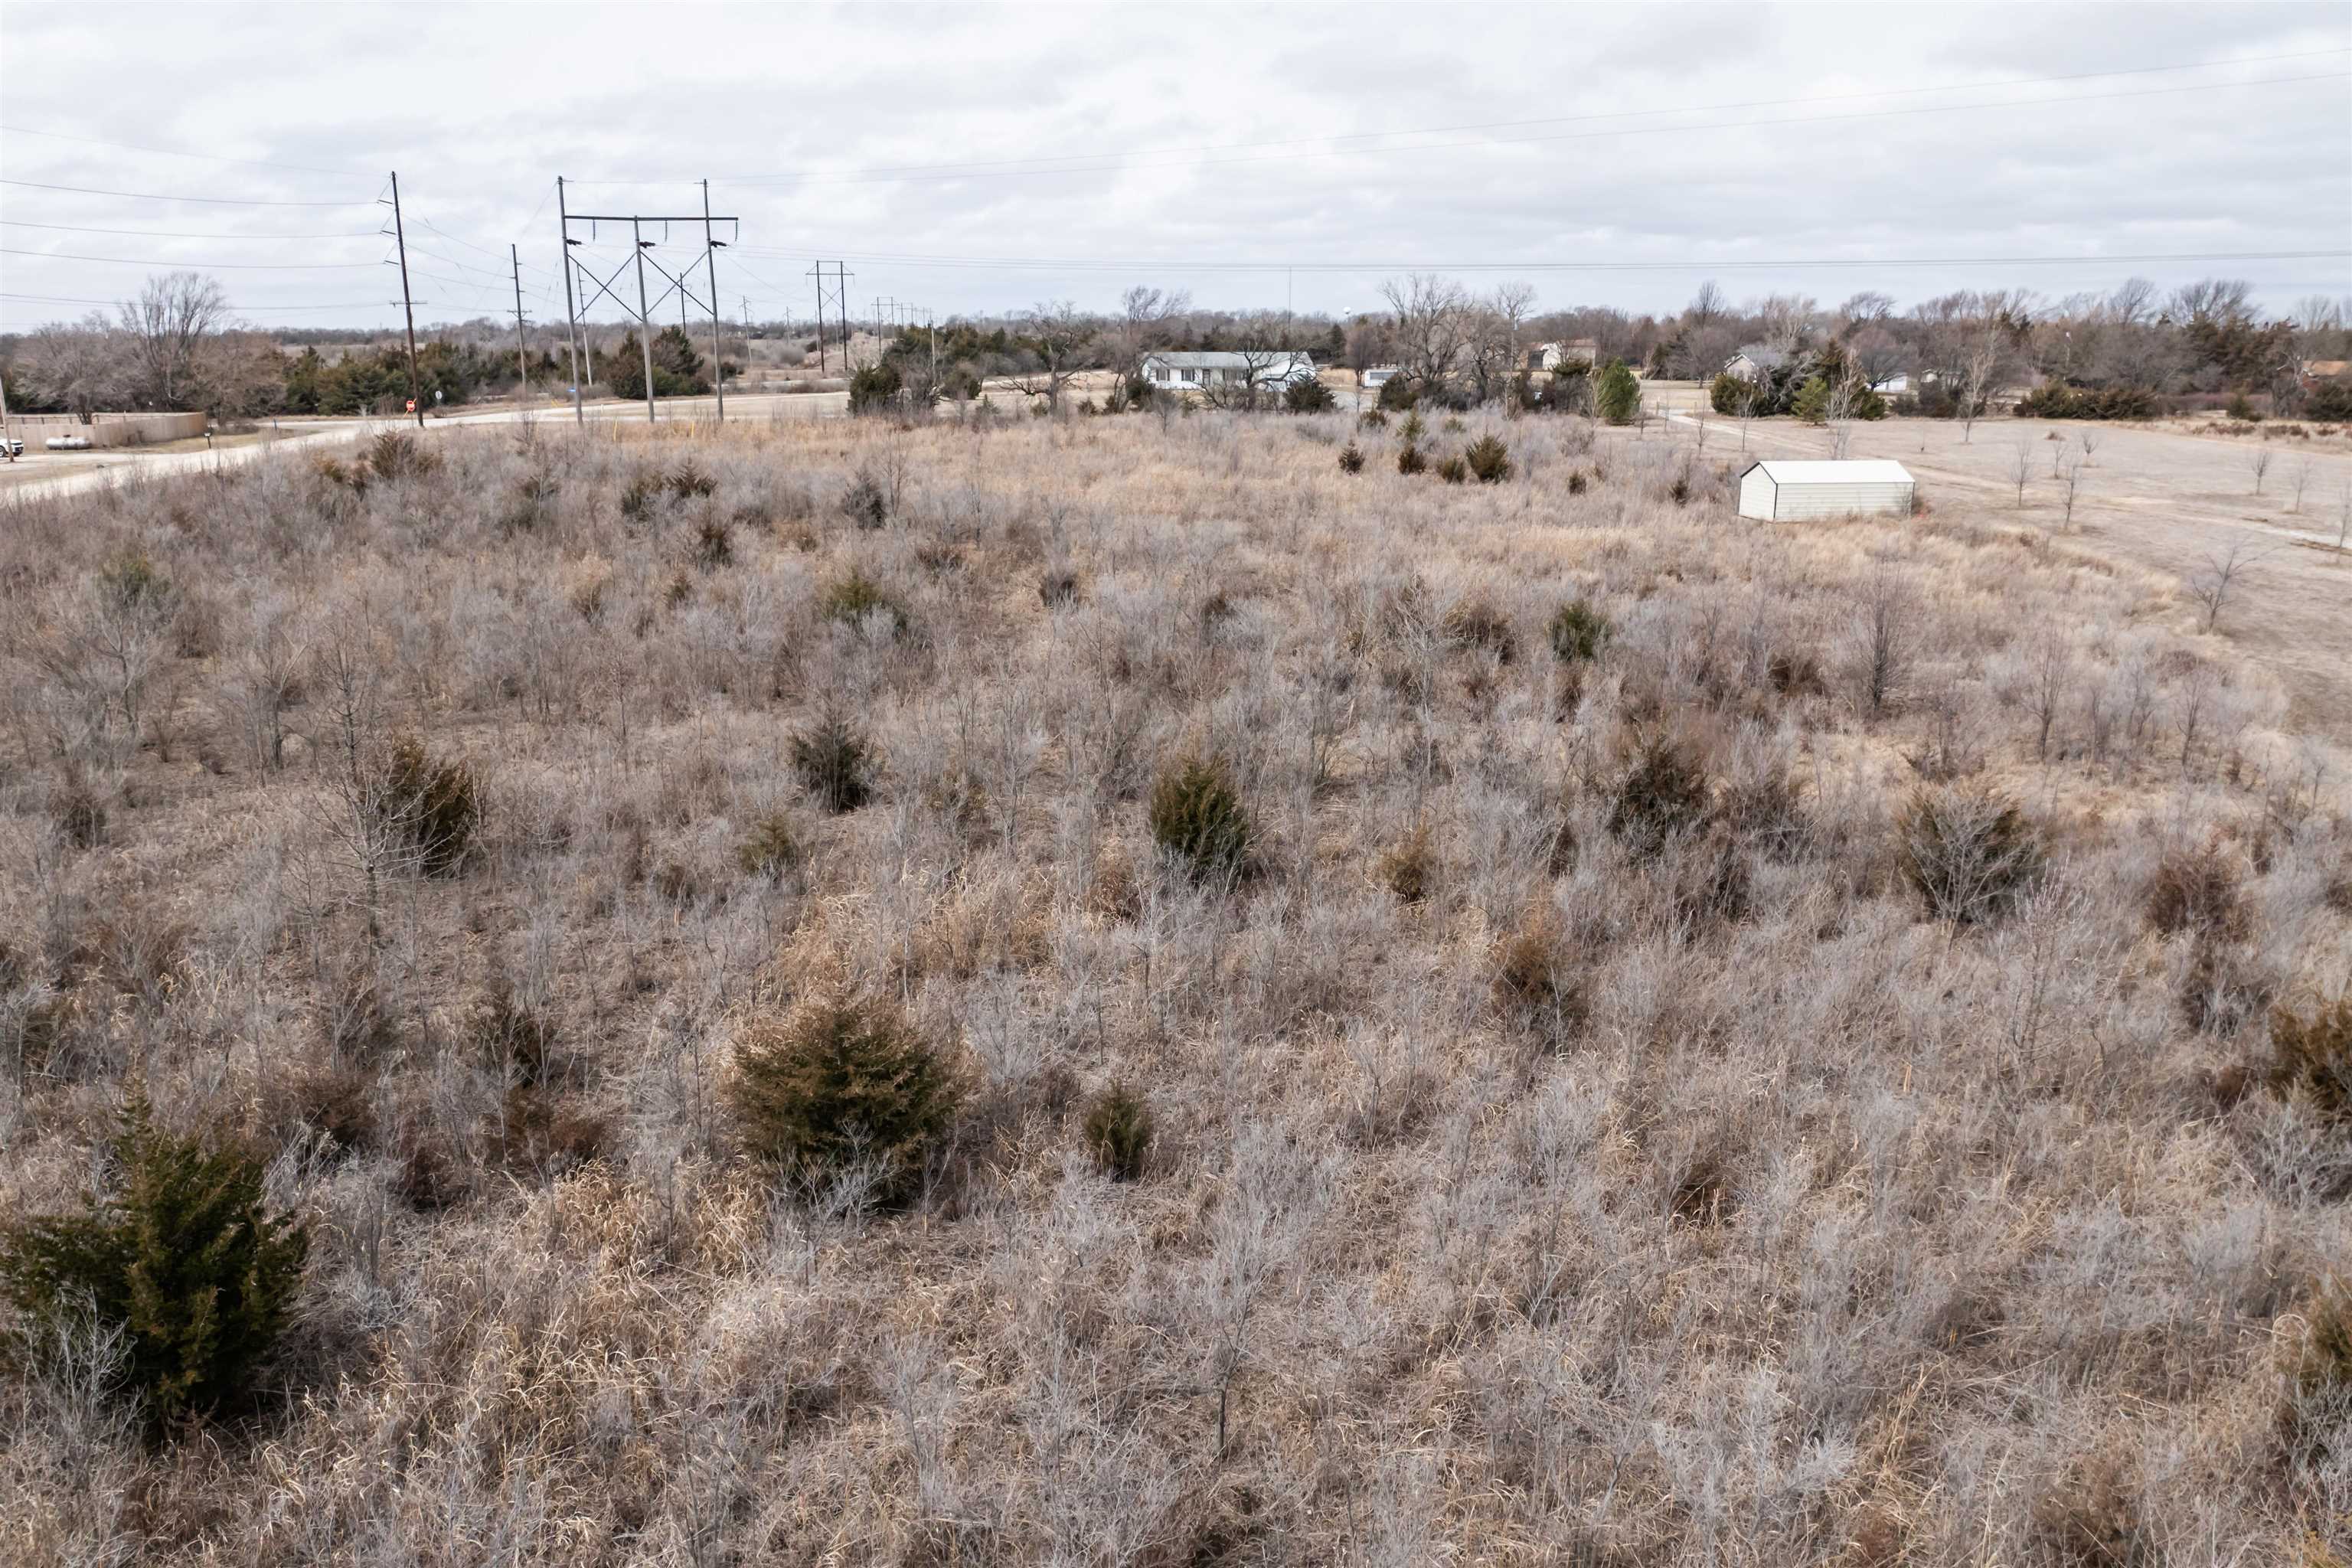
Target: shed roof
1826	471
1761	357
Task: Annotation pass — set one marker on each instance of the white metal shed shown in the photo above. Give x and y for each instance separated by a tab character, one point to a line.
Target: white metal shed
1782	492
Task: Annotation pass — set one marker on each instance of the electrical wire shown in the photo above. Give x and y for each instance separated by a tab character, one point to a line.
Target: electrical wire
181	234
336	305
1005	263
208	265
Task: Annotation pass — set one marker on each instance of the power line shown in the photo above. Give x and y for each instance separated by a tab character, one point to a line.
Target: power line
208	265
158	197
69	299
469	245
182	234
176	152
1014	263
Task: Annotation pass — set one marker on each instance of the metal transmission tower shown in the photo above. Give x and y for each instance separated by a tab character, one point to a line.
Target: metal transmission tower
839	297
643	311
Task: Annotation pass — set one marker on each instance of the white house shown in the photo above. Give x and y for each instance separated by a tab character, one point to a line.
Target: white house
1551	356
1782	492
1379	375
1753	362
1255	367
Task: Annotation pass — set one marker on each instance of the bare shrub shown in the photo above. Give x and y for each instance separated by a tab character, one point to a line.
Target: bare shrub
1661	797
2311	1058
1477	624
1408	867
2198	890
1967	850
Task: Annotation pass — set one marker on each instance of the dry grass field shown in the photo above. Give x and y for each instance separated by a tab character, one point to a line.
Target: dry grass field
1531	1023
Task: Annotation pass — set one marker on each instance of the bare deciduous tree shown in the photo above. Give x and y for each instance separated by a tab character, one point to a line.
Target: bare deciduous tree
2211	583
2258	463
2021	468
1060	337
2070	490
165	324
1432	326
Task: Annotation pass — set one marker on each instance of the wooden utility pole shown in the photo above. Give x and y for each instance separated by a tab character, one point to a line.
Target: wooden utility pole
817	273
408	306
522	355
710	256
645	318
571	312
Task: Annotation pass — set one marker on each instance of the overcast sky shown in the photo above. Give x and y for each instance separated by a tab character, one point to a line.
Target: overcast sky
982	159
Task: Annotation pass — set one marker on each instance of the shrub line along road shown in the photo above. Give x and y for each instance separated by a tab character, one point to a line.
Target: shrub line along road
118	464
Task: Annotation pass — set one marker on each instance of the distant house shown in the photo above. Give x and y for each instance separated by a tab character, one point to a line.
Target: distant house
1755	361
2325	369
1551	356
1894	386
1200	372
1379	375
1776	491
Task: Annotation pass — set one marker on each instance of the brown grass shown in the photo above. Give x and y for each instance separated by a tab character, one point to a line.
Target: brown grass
1559	1149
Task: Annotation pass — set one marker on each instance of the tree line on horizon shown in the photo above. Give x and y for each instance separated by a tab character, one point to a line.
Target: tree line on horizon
2135	351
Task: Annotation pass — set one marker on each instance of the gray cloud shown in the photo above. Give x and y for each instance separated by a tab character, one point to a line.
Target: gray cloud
788	110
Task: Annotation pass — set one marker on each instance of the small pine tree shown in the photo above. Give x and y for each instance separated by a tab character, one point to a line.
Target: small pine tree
1489	459
1618	395
182	1256
1197	816
1118	1132
434	803
1811	403
833	760
1307	396
1352	459
843	1083
1577	632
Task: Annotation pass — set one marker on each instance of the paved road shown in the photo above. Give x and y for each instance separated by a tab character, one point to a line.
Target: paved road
118	465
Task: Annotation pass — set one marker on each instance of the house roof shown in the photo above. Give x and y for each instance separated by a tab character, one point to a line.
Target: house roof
2324	366
1761	357
1827	472
1259	359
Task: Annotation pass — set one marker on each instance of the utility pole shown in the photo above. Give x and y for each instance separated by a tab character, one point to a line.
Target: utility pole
710	255
817	273
522	355
571	312
7	432
645	318
841	297
409	307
